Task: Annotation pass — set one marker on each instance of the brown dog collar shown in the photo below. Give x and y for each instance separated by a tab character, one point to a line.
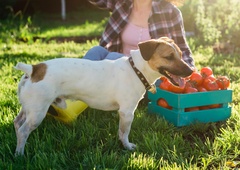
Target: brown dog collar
152	87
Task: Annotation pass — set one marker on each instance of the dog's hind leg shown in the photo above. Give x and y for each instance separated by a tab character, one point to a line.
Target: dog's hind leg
18	121
125	123
31	122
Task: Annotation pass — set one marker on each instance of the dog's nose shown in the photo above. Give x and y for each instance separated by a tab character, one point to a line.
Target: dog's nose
187	71
183	71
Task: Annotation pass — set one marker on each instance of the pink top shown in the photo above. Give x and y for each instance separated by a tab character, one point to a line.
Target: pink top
131	36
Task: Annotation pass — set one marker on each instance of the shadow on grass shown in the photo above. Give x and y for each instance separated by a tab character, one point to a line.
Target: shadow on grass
79	26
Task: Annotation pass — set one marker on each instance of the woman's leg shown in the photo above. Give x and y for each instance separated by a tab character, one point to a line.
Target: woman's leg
96	53
114	55
101	53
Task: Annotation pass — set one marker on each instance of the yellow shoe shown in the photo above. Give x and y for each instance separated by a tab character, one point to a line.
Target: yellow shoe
74	108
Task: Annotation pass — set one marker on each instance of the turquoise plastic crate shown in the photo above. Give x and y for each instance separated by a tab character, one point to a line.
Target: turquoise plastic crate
179	102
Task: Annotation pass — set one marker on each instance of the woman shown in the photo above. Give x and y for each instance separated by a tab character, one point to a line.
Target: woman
133	21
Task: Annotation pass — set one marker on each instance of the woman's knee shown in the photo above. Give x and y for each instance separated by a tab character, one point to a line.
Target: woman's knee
114	55
96	53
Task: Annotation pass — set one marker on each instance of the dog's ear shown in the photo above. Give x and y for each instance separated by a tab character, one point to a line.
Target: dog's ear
147	48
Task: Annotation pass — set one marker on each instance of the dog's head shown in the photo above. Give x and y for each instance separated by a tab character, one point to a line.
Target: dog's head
164	56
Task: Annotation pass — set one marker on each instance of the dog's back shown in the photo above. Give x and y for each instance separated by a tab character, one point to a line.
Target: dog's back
79	79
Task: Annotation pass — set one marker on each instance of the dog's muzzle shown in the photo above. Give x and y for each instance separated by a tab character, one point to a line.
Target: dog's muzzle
168	75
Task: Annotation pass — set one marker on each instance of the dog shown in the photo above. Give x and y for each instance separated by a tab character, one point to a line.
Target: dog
104	85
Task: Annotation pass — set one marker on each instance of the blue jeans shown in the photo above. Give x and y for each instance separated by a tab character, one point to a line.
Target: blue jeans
101	53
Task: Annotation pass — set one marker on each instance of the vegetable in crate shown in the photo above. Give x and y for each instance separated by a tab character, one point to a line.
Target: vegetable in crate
202	81
223	82
163	103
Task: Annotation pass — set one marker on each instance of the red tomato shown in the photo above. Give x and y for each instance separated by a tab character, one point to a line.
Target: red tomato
165	84
177	89
223	82
190	109
189	84
211	77
210	85
207	80
163	78
201	89
162	102
213	106
206	71
204	107
190	90
196	79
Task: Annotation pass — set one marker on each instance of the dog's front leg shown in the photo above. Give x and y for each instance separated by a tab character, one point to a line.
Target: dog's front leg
125	123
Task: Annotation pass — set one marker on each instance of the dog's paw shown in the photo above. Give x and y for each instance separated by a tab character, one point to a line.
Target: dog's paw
130	146
18	153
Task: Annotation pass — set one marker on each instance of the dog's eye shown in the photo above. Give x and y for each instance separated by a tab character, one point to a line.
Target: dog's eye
170	57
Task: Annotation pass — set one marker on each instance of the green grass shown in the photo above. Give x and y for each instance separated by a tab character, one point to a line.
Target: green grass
46	26
92	141
77	24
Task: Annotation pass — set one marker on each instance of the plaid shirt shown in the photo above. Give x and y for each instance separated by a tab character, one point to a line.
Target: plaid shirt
165	20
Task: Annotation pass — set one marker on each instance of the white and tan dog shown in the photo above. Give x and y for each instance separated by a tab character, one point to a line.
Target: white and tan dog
104	85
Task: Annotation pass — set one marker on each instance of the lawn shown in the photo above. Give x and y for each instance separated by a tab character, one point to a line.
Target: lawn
91	142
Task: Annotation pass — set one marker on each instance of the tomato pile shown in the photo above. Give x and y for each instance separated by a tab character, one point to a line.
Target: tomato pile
201	81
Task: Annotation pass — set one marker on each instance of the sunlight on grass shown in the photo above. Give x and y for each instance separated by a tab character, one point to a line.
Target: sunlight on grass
41	51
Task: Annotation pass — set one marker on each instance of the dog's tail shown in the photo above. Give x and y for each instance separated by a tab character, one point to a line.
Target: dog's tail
26	68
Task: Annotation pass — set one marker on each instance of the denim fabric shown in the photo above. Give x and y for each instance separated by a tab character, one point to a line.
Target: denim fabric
101	53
